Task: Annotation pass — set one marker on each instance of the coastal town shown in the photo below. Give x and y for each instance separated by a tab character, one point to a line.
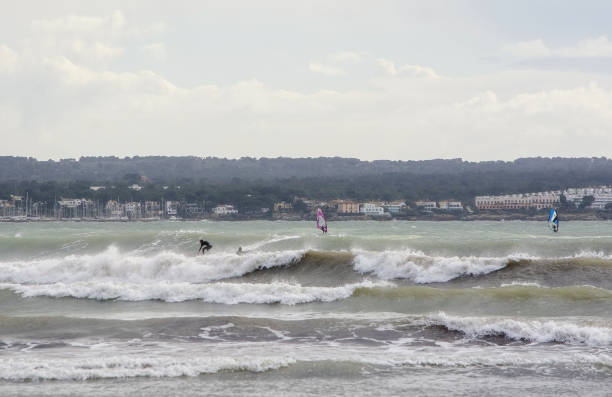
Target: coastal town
24	208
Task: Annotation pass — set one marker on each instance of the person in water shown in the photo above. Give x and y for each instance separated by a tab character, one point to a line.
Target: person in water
204	246
240	251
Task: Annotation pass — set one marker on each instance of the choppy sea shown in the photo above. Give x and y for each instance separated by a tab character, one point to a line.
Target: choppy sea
371	308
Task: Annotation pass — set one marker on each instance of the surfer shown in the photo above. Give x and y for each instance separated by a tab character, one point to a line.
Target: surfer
240	251
204	246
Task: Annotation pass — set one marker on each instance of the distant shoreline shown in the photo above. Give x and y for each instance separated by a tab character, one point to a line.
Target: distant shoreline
431	218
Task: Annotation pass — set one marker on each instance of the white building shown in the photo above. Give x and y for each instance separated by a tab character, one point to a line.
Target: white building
371	209
136	187
96	188
114	209
224	210
450	205
515	201
426	205
172	208
70	203
133	209
394	207
602	195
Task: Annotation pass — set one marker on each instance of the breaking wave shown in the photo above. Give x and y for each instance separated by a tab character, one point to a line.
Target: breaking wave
539	331
218	292
422	268
168	266
129	366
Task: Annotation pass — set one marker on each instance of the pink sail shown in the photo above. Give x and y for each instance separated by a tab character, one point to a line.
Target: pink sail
321	222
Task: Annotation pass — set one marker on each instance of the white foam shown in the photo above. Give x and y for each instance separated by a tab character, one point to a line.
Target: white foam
205	334
540	331
218	292
171	359
522	284
273	240
421	268
138	268
128	366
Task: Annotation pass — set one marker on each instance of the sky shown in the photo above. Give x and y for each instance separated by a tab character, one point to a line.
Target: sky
398	80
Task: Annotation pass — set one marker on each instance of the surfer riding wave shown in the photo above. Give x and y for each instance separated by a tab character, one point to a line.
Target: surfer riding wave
204	246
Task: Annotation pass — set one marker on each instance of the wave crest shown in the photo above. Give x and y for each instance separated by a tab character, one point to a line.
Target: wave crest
528	330
139	268
219	292
421	268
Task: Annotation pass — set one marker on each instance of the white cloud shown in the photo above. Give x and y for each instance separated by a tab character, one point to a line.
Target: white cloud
388	66
346	57
155	50
94	41
95	51
587	48
327	70
80	24
88	104
8	59
528	49
484	117
407	70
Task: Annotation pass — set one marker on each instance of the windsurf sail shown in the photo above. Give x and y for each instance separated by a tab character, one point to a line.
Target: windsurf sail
321	222
553	220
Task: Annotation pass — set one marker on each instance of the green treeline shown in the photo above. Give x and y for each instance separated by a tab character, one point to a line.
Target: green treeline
249	191
169	170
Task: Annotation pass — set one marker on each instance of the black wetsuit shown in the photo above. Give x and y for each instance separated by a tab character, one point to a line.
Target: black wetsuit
204	246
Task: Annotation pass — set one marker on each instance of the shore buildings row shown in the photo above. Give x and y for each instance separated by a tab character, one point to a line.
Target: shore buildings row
601	196
83	208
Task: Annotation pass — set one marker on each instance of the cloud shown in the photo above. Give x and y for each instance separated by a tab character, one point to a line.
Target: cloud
346	57
155	50
386	109
80	24
587	48
327	70
94	40
481	117
407	70
8	59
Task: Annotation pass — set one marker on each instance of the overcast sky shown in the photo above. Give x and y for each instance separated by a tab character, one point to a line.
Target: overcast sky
395	80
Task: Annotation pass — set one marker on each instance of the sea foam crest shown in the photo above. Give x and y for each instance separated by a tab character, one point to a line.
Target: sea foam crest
539	331
421	268
126	366
218	292
111	264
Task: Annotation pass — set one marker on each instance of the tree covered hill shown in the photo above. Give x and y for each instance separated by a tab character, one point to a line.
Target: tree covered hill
170	169
324	178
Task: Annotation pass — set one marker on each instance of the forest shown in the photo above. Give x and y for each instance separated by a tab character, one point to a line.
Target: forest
255	183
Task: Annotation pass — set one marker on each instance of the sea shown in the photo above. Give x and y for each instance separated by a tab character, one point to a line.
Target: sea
371	308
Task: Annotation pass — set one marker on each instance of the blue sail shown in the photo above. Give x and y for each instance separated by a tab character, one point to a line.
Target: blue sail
553	220
552	215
